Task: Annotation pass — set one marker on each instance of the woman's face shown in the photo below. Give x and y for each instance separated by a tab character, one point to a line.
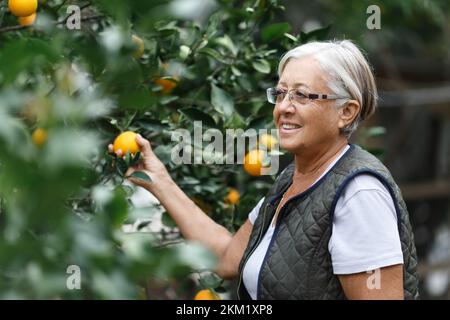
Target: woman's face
315	121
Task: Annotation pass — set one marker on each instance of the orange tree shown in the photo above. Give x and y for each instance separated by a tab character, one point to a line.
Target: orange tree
66	93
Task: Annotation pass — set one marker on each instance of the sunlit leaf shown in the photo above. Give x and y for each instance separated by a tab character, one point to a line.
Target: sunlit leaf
222	101
261	65
275	31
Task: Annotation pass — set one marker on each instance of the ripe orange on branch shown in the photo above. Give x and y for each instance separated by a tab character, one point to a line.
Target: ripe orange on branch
22	8
232	196
26	21
206	294
126	142
254	162
268	140
166	84
39	137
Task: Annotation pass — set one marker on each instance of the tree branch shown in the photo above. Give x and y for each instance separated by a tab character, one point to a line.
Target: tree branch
19	27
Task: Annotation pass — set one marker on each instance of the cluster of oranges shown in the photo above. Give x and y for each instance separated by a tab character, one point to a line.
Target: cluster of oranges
24	10
167	84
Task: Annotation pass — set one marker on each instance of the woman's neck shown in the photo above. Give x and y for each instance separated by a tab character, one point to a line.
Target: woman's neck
312	164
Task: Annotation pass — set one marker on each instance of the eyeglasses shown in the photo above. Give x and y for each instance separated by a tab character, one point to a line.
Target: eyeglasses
296	96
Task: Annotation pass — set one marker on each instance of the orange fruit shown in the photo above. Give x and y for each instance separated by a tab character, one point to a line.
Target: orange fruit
232	196
268	140
253	162
140	46
39	136
206	294
22	8
167	84
126	142
26	21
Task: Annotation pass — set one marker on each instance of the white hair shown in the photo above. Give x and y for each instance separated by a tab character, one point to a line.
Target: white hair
350	75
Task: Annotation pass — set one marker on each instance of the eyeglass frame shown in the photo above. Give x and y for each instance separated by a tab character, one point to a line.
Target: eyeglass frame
309	96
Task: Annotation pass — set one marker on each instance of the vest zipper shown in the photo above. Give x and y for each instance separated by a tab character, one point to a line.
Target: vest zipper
253	249
275	233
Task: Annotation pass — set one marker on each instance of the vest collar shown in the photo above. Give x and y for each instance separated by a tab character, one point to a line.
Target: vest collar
290	172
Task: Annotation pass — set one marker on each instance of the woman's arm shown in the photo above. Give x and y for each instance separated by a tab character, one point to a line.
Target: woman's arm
381	284
193	223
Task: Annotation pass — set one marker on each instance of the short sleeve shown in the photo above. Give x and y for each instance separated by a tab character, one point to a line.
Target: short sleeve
255	211
365	234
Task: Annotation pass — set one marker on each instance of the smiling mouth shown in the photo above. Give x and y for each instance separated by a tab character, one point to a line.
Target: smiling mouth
289	127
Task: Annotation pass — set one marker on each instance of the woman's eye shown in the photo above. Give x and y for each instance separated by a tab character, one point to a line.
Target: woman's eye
300	94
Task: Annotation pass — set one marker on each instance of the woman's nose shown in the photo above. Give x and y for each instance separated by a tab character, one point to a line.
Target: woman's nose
286	105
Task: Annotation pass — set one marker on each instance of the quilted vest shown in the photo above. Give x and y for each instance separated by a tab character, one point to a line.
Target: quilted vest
297	264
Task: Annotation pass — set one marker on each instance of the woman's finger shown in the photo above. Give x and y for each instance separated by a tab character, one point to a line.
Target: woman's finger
137	181
110	148
144	144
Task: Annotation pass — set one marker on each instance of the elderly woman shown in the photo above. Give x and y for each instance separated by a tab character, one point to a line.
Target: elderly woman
334	224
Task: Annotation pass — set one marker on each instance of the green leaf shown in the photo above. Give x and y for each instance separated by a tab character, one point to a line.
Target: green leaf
260	122
121	166
317	34
135	159
212	53
226	42
167	220
236	71
235	122
117	208
222	101
213	23
136	99
128	158
210	281
291	37
140	175
261	65
33	53
274	31
118	9
194	114
151	125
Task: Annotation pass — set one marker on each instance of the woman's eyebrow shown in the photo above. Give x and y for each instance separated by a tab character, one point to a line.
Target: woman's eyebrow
296	84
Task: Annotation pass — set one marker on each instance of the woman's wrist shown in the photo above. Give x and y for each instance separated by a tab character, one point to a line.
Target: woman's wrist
161	185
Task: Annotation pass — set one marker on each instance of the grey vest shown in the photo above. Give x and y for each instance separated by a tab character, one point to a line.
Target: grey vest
297	264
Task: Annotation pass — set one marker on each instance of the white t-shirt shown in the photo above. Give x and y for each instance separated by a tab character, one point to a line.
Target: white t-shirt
364	237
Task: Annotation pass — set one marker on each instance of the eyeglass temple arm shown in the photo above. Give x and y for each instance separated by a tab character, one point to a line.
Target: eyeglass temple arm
325	96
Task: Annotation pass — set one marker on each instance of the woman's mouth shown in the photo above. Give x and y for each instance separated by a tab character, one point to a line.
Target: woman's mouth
287	127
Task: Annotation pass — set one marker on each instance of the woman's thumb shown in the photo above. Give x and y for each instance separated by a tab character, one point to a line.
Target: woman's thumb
144	144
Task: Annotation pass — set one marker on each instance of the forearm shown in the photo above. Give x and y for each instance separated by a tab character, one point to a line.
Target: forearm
193	223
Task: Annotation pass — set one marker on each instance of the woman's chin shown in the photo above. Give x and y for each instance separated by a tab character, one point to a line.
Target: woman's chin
290	145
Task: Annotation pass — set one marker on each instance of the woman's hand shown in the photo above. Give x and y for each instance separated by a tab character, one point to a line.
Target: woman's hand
148	163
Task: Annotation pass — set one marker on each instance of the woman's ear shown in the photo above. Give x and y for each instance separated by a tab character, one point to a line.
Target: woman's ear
348	112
